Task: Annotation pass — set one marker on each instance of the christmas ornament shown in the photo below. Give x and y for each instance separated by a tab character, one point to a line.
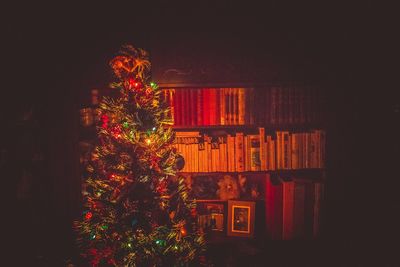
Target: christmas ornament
179	162
104	120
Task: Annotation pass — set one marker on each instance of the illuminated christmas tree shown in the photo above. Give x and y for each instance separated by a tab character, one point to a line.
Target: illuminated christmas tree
137	210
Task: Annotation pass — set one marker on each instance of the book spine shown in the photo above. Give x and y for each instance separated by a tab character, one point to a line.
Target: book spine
255	162
239	152
288	210
222	101
309	209
269	207
263	158
299	195
241	106
247	159
318	193
286	153
278	211
279	150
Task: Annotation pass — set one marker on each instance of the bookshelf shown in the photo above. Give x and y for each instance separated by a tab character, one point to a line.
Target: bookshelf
264	145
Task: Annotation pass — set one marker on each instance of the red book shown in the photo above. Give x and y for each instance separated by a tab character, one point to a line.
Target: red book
218	106
192	107
274	215
213	105
187	108
269	206
177	107
288	210
278	209
299	205
206	106
199	105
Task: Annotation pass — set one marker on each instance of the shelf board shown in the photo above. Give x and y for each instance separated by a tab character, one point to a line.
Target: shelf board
247	127
308	170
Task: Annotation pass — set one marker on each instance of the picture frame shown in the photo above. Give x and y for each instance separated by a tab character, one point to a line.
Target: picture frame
211	216
241	216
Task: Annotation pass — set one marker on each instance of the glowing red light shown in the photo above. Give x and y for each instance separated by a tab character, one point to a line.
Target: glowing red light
88	215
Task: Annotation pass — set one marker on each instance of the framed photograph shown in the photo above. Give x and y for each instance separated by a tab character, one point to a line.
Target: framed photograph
241	216
211	216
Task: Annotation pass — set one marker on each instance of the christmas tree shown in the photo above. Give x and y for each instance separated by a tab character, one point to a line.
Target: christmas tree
138	212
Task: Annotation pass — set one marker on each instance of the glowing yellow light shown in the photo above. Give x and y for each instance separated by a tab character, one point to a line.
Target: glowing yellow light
148	141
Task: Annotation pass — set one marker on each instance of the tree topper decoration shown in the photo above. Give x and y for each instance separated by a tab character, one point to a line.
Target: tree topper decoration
133	62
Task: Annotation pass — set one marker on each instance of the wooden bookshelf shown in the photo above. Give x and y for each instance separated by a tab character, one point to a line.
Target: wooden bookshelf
291	199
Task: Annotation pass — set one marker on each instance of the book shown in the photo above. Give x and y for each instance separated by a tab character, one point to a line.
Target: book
263	149
277	198
255	162
239	152
318	196
241	109
286	152
309	209
288	210
299	205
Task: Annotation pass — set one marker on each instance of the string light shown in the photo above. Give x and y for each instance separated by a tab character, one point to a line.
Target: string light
183	231
88	215
148	141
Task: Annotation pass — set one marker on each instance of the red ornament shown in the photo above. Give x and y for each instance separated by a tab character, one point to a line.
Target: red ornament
116	131
104	120
88	215
92	251
134	84
112	262
162	187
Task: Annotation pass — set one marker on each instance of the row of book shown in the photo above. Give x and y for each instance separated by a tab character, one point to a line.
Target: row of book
275	106
293	209
251	152
210	106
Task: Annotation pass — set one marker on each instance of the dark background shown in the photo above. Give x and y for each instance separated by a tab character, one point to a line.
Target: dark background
53	54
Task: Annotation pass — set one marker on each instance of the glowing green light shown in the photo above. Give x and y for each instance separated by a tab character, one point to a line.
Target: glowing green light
104	227
158	242
125	124
152	84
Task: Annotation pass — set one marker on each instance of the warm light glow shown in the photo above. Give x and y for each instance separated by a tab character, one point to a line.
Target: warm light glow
148	141
88	215
183	231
